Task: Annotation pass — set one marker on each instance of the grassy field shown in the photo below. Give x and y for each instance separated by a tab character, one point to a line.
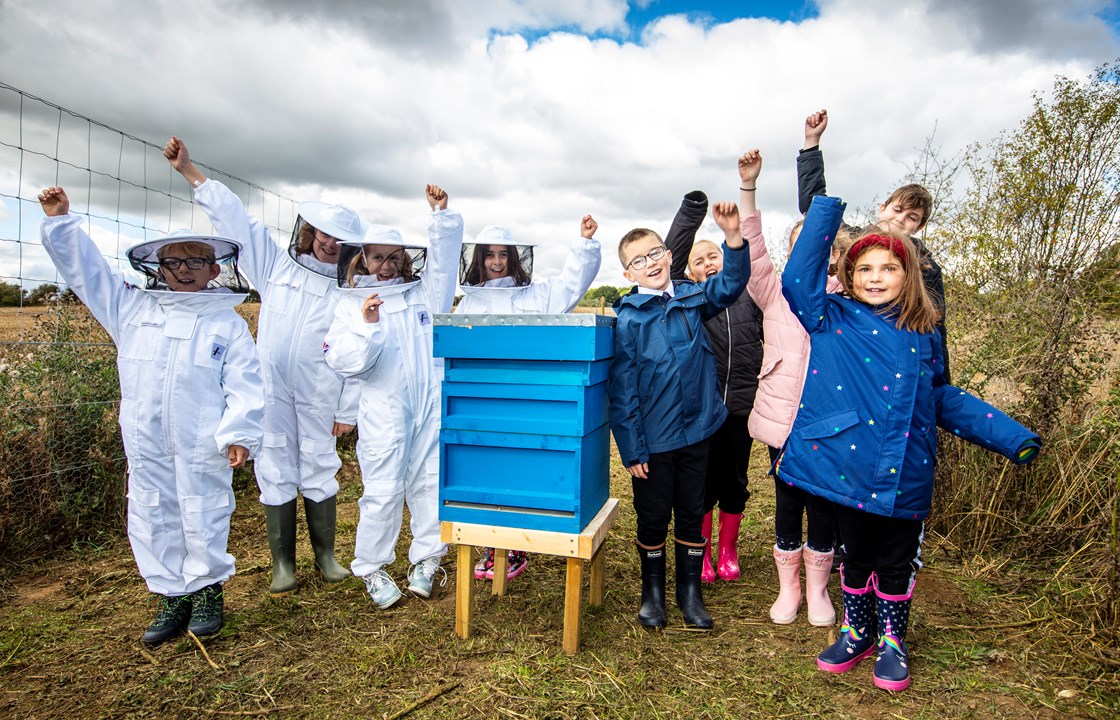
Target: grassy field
983	644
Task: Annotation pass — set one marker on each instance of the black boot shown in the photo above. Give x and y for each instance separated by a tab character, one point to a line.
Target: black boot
321	521
171	619
207	610
652	612
281	522
691	602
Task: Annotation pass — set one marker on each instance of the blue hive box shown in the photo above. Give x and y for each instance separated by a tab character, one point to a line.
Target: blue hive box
524	441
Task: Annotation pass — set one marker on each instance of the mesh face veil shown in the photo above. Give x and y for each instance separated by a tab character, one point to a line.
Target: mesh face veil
320	254
494	260
183	248
382	258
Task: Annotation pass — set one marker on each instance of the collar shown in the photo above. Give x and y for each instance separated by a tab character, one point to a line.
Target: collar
650	291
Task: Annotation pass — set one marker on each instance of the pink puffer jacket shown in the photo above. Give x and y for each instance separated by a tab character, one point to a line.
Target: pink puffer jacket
785	350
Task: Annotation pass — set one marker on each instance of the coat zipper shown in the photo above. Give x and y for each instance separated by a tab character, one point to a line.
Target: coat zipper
727	377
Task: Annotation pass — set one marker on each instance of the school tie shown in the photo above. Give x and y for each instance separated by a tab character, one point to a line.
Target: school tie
665	296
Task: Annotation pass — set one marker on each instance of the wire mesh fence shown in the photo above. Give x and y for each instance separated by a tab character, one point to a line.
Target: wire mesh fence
62	467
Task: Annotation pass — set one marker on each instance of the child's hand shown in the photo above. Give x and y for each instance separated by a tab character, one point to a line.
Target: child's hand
176	153
437	198
54	201
814	128
750	165
237	455
640	471
341	429
726	215
588	226
370	311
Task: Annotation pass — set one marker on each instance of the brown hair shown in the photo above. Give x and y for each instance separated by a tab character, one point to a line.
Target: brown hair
514	268
913	197
916	311
305	238
191	248
358	267
632	237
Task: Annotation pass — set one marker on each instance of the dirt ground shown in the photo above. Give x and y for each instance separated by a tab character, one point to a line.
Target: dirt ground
69	645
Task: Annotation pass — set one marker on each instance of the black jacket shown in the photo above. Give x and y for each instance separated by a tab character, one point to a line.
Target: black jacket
811	182
735	334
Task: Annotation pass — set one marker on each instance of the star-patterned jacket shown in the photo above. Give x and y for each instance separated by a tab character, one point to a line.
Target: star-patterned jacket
865	435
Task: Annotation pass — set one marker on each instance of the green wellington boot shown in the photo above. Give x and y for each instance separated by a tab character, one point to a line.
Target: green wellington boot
321	520
281	522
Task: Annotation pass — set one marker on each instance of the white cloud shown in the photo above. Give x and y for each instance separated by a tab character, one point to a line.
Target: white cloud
364	103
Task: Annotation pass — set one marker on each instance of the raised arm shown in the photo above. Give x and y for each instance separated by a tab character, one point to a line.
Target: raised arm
228	215
763	285
566	289
81	265
682	233
445	238
724	288
810	161
805	278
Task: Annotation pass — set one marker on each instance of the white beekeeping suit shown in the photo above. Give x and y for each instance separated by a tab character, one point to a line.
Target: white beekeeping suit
399	412
305	397
506	296
191	387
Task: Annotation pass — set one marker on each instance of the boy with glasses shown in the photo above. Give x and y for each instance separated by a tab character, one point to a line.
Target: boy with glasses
664	404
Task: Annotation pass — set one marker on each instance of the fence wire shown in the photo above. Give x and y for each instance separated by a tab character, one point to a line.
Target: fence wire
62	468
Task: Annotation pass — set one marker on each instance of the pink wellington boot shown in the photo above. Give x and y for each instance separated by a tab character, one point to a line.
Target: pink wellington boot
818	566
728	566
706	573
784	609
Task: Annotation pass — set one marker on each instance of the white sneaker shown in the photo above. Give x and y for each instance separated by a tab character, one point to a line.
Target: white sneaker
381	588
421	574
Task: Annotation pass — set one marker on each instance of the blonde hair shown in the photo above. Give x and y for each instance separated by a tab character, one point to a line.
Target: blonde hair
190	248
358	267
916	311
698	243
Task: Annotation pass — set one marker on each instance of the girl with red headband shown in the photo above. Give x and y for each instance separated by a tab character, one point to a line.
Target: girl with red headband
865	436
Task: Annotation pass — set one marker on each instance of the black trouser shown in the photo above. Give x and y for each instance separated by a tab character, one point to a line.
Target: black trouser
790	503
889	547
674	488
729	453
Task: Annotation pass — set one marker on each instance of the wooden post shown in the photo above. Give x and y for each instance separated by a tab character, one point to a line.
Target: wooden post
501	566
464	590
572	586
598	567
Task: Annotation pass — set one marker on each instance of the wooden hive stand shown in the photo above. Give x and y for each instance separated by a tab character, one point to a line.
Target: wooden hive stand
576	547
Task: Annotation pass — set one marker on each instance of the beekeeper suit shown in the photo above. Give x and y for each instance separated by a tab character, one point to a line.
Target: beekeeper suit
305	400
515	291
399	411
191	387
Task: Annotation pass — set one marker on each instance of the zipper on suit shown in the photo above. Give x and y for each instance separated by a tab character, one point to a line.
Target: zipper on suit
167	383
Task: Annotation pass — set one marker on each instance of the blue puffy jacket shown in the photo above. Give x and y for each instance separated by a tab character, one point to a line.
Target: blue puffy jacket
663	390
866	430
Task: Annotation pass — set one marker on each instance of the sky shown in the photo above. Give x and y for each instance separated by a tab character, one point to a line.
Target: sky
533	113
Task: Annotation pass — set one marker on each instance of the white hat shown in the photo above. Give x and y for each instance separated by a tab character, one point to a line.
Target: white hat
148	251
338	221
385	235
498	235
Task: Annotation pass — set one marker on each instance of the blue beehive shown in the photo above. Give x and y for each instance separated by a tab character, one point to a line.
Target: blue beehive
524	441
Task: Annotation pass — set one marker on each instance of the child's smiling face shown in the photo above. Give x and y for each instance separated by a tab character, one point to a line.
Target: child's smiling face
383	261
654	274
895	217
877	276
184	278
496	261
704	261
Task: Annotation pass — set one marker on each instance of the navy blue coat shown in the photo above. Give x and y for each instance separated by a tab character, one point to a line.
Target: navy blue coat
865	435
663	390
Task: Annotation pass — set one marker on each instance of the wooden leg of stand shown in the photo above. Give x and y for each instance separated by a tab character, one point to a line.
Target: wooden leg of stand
501	566
598	567
572	585
464	590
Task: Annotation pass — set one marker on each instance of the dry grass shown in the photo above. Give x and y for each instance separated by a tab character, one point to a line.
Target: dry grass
69	627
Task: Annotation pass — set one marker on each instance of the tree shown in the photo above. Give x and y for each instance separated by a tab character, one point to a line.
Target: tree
12	295
604	294
1042	210
43	294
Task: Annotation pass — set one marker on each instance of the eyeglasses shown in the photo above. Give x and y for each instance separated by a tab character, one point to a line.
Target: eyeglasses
195	263
654	255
